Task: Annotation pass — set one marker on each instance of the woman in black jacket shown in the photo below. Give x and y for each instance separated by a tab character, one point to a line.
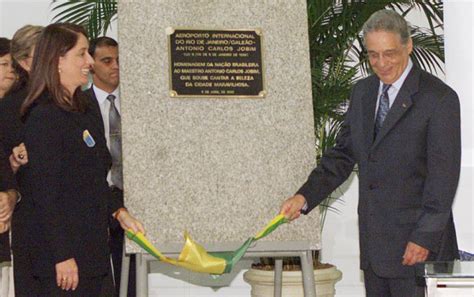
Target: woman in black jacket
65	179
11	137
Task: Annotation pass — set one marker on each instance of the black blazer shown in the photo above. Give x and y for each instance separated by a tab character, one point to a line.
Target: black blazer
11	126
10	136
95	108
7	182
408	175
65	183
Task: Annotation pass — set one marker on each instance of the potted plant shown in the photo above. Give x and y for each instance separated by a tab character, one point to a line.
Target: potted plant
337	61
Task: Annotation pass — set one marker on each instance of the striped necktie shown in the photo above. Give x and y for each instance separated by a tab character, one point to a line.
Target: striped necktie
115	137
384	106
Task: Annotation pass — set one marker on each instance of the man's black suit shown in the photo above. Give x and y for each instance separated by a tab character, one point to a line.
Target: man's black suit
408	174
116	232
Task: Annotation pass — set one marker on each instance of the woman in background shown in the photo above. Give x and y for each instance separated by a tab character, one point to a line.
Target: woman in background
7	74
65	179
11	138
8	78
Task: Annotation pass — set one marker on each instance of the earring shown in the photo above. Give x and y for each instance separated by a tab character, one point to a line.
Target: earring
59	70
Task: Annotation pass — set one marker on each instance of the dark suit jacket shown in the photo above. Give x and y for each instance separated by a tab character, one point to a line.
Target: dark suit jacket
408	175
95	111
66	185
7	182
95	108
10	136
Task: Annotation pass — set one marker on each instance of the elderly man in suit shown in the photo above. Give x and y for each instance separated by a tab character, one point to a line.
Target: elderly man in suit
402	130
106	102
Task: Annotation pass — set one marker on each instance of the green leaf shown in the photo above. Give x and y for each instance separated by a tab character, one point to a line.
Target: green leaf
94	15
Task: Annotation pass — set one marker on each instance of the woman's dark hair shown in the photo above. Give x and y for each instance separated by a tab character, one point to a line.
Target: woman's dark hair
55	41
4	46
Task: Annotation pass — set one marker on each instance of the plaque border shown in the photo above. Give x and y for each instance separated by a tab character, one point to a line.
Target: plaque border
173	94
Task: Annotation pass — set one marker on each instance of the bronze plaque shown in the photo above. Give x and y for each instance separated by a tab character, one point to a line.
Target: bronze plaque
215	63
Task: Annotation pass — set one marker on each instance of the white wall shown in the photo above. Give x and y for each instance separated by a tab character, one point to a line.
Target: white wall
340	236
459	74
17	13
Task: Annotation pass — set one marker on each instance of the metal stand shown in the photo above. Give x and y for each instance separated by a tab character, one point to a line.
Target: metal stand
278	277
308	274
306	269
124	274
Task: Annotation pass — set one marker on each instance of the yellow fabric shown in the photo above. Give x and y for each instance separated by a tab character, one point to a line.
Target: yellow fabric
269	226
194	257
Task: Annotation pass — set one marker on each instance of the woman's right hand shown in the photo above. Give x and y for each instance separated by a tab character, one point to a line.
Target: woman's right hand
19	157
128	222
67	274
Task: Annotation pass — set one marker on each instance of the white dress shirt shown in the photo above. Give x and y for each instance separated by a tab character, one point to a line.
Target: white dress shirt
395	88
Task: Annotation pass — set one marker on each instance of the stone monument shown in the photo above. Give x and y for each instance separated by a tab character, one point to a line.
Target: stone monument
217	119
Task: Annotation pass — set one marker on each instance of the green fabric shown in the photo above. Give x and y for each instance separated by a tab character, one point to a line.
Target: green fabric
231	258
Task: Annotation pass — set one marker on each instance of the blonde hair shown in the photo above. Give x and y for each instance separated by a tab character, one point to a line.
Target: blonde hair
24	40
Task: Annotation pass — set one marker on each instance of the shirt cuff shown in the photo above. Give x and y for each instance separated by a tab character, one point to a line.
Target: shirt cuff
305	207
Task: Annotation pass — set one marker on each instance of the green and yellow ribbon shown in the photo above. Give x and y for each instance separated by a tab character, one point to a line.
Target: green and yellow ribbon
195	258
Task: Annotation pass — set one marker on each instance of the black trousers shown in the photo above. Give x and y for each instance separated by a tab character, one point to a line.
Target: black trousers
116	250
376	286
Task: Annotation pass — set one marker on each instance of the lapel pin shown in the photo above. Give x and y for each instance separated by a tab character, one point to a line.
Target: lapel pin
88	139
404	105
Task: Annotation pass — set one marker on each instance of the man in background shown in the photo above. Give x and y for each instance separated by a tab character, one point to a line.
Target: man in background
106	100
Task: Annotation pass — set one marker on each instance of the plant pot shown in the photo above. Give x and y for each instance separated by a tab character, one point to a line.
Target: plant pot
261	282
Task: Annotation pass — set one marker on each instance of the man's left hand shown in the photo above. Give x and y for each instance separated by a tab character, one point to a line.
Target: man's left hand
414	254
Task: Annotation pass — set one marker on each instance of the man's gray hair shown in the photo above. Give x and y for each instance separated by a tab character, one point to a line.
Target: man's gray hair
389	21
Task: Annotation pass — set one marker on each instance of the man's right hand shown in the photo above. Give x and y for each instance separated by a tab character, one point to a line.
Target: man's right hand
292	206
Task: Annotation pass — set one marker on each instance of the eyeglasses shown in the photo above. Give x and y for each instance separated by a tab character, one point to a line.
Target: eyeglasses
391	54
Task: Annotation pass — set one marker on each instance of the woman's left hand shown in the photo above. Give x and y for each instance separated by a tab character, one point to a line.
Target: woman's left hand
128	222
67	274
